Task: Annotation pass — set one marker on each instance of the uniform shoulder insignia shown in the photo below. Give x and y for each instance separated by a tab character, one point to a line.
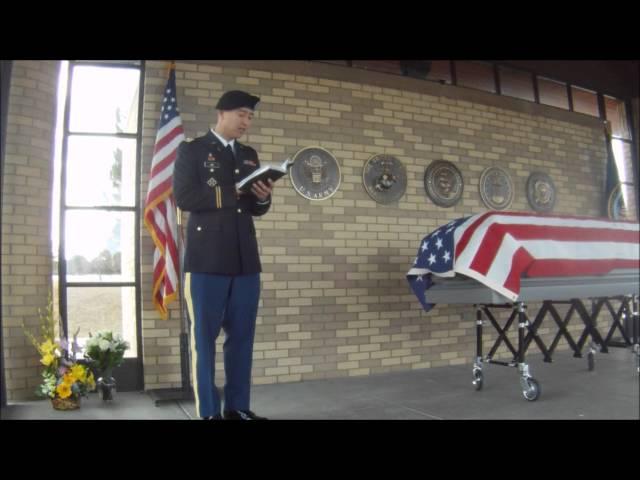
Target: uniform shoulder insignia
188	139
246	147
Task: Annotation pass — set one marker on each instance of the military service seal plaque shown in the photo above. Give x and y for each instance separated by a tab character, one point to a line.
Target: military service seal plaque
619	206
541	192
496	188
443	183
315	173
384	178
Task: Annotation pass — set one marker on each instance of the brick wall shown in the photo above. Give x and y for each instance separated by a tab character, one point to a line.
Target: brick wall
335	301
26	218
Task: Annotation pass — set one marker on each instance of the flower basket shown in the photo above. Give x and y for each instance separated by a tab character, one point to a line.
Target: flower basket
64	378
69	403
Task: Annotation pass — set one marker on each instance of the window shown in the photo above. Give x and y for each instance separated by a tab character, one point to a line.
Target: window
584	101
624	165
553	93
476	75
617	115
98	197
93	110
440	71
515	83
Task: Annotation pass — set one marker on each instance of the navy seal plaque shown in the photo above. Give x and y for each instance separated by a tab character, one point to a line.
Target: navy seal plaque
541	192
443	183
496	188
315	173
384	178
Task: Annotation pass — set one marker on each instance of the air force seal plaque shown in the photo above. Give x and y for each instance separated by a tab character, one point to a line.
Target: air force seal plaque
496	188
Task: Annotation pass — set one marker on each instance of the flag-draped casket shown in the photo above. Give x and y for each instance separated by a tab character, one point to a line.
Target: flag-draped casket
499	248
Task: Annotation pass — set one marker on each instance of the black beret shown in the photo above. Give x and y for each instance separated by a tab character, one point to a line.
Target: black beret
236	99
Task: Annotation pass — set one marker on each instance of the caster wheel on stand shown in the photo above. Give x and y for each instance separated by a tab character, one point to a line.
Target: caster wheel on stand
478	379
531	389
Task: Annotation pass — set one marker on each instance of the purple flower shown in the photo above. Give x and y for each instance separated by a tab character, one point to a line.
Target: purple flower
64	344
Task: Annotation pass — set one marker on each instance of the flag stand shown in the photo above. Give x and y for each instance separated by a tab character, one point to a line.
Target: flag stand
184	393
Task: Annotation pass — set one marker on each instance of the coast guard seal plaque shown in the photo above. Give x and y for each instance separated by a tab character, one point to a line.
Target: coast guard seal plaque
618	207
541	192
443	183
496	188
384	178
315	173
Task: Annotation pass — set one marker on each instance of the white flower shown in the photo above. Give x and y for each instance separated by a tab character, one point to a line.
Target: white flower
104	345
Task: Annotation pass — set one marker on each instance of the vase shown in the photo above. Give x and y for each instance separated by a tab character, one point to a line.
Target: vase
69	403
107	386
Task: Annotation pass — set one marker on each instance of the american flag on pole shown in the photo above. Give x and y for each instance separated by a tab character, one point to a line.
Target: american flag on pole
160	206
498	248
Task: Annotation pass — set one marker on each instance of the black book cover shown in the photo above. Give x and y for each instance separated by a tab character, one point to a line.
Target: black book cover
266	172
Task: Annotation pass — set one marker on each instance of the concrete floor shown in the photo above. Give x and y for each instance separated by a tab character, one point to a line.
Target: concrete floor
568	392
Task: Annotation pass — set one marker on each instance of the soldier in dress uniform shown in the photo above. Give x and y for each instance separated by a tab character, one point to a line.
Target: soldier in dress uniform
222	265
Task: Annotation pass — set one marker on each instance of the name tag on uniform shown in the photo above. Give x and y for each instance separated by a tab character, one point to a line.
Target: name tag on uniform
250	162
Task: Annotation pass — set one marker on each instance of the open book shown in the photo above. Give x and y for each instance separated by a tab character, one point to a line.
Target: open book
264	173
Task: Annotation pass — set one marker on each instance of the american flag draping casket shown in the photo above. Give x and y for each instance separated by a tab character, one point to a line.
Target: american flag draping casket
499	248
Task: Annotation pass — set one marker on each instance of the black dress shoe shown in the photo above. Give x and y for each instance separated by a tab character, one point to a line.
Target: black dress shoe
241	415
213	417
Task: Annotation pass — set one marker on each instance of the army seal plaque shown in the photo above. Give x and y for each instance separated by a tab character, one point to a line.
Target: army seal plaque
541	192
384	178
315	173
618	207
443	183
496	188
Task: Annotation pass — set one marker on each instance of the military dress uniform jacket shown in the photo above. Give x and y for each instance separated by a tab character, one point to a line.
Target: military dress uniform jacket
221	236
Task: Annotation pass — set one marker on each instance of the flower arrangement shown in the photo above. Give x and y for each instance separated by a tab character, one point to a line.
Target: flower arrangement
64	378
105	350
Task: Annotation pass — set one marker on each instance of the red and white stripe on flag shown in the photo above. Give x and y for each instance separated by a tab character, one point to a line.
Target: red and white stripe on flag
497	249
160	206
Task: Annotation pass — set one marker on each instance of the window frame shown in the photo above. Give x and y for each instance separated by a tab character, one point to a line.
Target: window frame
132	370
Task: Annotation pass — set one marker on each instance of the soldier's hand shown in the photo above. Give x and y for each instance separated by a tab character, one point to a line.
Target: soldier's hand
262	190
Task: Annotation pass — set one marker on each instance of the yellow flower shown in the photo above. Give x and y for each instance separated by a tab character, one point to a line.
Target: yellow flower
47	347
47	359
77	372
91	381
64	390
68	379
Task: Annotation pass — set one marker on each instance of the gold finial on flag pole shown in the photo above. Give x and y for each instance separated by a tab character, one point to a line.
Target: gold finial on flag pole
172	66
